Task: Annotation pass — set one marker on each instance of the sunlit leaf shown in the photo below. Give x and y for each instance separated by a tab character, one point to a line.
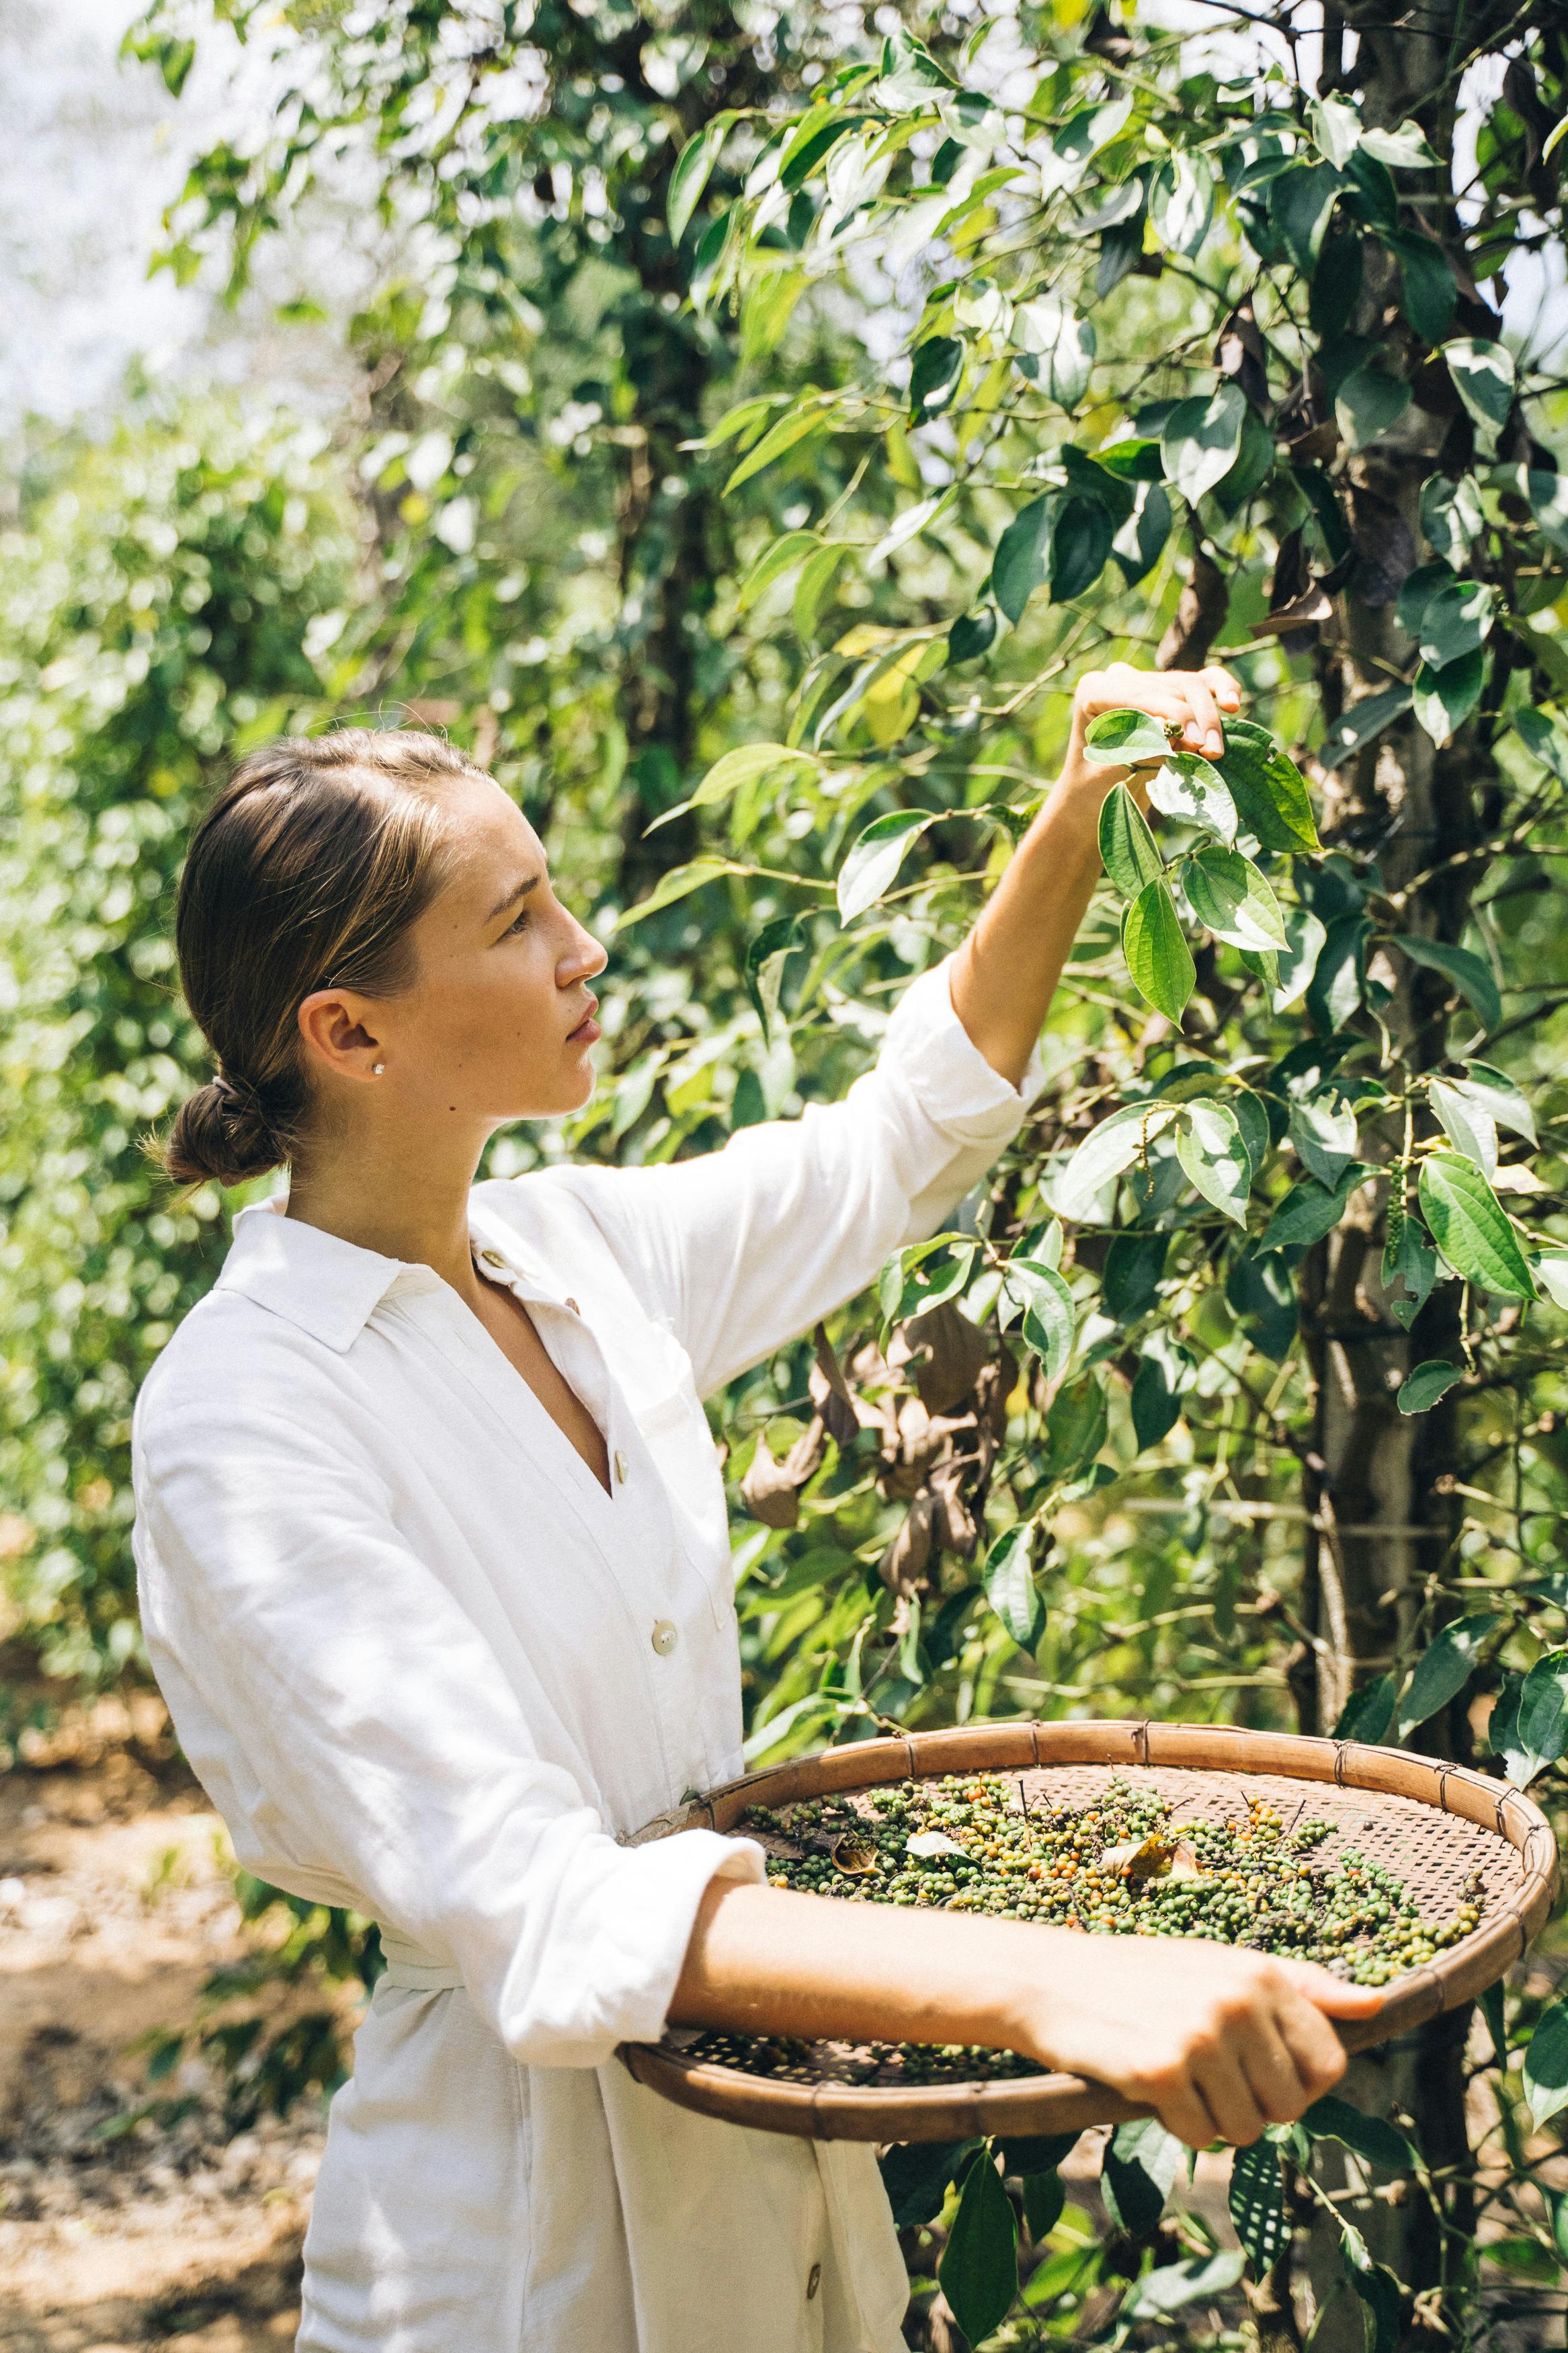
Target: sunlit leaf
1325	1137
1256	2200
1200	440
1125	738
1539	1733
774	562
676	884
692	168
873	866
1111	1147
1047	1302
1191	790
1009	1582
1268	789
1483	375
1466	1123
1140	2167
1210	1149
1233	899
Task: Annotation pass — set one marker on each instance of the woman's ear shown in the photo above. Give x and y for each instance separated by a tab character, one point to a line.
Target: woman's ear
335	1029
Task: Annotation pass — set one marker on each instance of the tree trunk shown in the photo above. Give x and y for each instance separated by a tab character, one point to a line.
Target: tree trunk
1375	1485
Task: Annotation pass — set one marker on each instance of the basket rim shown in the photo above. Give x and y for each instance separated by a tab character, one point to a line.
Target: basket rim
829	2111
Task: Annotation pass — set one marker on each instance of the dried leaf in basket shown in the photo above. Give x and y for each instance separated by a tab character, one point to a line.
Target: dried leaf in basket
1153	1857
855	1857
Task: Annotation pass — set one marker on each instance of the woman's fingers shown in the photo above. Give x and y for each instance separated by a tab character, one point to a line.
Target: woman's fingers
1281	2086
1192	700
1202	730
1316	2050
1182	2109
1228	2096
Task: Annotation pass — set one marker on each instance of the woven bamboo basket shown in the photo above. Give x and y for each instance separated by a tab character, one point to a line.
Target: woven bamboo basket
1434	1825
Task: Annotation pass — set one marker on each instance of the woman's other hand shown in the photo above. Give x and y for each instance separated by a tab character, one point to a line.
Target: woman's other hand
1218	2042
1197	701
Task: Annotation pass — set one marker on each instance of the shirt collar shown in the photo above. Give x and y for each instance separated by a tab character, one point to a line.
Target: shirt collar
331	1288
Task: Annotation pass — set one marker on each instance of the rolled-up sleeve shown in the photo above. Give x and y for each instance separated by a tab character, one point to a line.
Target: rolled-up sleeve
358	1733
744	1249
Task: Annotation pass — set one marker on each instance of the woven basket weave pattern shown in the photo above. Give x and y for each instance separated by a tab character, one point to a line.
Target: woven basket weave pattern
1433	1826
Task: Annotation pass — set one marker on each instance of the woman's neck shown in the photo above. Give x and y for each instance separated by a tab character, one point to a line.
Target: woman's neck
384	1193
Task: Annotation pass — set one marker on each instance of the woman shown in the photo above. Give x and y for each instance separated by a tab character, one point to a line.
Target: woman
435	1576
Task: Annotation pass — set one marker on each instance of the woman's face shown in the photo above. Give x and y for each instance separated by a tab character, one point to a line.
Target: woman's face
495	1025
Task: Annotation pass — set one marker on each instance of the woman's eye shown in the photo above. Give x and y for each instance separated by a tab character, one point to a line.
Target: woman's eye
517	923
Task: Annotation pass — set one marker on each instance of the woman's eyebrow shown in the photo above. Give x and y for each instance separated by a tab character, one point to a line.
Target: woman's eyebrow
519	890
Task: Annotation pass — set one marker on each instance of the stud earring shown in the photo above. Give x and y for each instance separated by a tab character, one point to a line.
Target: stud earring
377	1069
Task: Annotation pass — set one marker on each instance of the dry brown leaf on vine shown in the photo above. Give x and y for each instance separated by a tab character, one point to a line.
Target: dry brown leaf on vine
945	1352
903	1564
771	1489
952	1522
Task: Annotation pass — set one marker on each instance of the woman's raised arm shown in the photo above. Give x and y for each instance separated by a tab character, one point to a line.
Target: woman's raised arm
741	1250
1005	974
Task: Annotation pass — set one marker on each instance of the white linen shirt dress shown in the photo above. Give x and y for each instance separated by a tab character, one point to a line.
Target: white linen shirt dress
426	1667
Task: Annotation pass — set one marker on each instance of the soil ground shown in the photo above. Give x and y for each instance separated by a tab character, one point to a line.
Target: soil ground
115	1904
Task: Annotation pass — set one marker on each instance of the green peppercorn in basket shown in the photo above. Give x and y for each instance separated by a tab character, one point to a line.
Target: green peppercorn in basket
1423	1879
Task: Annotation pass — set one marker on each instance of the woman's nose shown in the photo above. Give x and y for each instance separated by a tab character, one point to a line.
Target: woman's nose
587	959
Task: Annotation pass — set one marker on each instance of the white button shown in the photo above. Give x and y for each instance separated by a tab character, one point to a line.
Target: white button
665	1637
493	1258
620	1466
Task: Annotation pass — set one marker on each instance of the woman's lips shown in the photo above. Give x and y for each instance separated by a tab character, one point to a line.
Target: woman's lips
586	1031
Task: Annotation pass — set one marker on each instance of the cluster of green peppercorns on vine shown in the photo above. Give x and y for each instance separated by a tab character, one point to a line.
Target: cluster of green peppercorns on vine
1115	1867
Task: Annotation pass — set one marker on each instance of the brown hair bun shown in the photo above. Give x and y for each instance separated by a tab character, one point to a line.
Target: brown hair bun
307	872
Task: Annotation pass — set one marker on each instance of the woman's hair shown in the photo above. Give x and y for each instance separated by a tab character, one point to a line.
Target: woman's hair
306	873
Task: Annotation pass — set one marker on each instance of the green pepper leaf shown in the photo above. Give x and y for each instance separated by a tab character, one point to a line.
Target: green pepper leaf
1158	957
1270	791
873	866
1443	1669
1210	1148
1546	2065
979	2266
1126	845
1023	553
1538	1731
1368	1713
1257	2203
1191	789
1232	899
1125	737
1470	974
1472	1228
1422	1387
1140	2166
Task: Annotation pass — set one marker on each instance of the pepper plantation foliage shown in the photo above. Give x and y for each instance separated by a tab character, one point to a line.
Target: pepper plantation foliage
766	417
